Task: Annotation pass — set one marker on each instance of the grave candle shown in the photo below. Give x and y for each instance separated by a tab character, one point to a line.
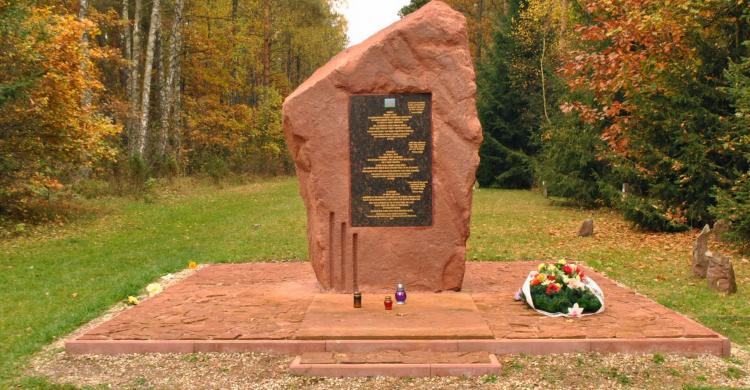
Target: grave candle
388	303
357	300
400	294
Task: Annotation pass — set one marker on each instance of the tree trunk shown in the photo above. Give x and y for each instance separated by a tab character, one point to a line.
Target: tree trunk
170	93
146	89
127	52
541	69
82	14
266	43
480	33
161	53
135	64
233	93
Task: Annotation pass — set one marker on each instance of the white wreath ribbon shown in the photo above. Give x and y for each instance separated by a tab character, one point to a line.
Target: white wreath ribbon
590	284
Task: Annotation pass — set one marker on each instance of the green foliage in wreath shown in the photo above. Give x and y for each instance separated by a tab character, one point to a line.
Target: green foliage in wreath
561	301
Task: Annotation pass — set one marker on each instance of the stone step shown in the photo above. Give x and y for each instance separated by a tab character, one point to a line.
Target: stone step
395	363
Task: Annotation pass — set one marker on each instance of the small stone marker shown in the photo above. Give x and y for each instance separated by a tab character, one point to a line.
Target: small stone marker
385	140
700	263
721	226
720	273
586	229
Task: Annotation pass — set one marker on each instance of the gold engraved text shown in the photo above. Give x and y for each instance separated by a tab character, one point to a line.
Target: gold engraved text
391	205
417	147
390	126
418	186
416	107
390	165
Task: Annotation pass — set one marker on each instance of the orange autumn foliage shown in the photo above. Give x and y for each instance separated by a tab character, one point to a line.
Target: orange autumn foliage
46	133
627	49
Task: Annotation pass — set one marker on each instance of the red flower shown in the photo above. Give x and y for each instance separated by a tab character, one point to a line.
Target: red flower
535	281
551	277
567	269
552	288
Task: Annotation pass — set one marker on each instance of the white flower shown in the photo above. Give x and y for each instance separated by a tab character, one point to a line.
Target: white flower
576	284
153	289
575	311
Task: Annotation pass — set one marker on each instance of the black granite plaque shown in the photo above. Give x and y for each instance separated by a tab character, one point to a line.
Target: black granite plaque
390	140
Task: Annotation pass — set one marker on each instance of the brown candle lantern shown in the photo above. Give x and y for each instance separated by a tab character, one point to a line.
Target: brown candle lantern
357	300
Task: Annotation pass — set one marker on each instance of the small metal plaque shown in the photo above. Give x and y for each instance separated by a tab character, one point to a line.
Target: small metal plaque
391	160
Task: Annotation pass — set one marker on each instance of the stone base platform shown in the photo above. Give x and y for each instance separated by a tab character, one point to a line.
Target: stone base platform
277	307
430	316
395	363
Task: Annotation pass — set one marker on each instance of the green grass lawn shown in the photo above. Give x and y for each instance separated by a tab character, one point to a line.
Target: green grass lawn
56	280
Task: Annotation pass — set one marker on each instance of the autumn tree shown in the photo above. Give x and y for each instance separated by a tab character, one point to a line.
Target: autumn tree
270	47
50	128
652	74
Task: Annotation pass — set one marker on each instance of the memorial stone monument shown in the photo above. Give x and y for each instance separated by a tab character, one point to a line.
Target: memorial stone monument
385	141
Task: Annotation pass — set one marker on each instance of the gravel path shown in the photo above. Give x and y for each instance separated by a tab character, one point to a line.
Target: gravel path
263	371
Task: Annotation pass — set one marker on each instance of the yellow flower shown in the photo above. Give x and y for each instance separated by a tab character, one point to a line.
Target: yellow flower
562	262
541	277
541	267
192	265
133	300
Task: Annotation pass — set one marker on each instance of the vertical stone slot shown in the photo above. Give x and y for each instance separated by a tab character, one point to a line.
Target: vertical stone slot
342	267
355	278
330	251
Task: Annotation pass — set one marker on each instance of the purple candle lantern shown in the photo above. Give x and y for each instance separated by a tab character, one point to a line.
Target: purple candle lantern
400	294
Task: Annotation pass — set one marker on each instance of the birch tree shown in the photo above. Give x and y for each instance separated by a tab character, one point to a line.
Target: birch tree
142	130
133	90
169	90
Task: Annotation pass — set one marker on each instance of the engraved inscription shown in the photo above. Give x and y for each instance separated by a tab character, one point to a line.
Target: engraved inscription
390	126
390	165
391	160
391	205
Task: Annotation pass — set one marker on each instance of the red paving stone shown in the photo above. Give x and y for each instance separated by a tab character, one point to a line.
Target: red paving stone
262	306
221	302
627	314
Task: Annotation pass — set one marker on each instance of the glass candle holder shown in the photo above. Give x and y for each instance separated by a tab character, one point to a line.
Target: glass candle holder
357	300
400	294
388	303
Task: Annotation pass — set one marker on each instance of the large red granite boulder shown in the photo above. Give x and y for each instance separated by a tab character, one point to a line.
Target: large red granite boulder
426	52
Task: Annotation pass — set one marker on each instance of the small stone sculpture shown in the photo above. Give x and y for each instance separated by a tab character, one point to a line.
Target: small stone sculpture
586	229
720	273
700	263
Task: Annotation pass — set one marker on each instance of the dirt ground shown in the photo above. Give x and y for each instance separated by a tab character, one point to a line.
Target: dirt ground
263	371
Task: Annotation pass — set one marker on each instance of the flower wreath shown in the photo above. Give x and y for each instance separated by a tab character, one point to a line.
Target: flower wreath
561	290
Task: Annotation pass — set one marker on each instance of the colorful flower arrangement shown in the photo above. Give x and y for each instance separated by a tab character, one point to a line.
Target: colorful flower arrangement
561	289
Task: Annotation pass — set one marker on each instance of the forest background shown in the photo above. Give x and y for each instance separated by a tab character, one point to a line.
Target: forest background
638	105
